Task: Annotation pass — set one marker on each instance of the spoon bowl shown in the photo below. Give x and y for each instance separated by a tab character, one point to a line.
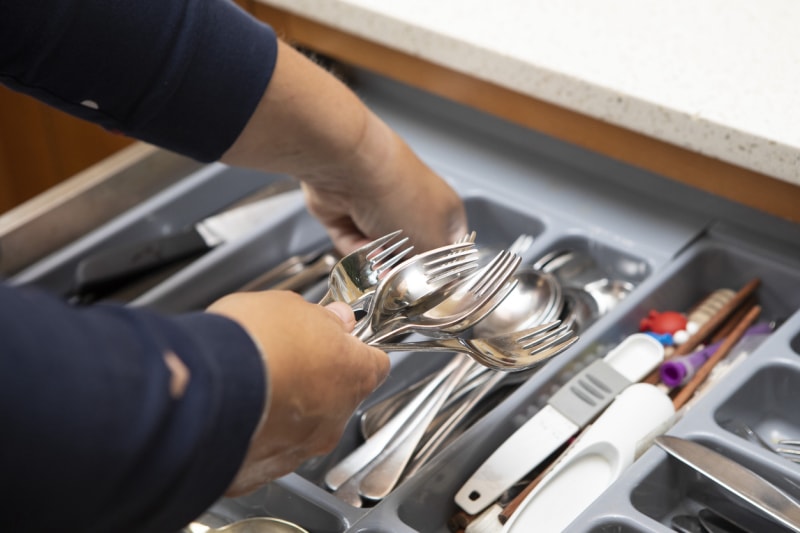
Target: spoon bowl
468	303
536	299
256	524
422	282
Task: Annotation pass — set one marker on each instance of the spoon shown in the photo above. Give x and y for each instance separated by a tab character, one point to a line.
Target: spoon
535	300
421	282
580	309
256	524
607	293
373	418
510	352
468	303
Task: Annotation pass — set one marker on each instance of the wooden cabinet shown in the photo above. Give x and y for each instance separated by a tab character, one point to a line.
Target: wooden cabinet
40	147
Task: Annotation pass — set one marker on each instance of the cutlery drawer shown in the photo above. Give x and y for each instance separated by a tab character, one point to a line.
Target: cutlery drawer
671	246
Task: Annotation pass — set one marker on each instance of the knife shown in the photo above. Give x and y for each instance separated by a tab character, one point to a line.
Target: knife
735	479
114	266
570	409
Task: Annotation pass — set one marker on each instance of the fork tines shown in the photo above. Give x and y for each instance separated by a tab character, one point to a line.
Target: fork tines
382	258
455	260
547	336
495	274
792	453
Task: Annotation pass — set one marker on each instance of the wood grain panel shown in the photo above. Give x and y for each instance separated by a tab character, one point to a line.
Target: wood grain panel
27	164
735	183
41	146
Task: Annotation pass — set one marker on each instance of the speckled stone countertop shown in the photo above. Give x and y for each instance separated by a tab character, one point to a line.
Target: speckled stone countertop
719	77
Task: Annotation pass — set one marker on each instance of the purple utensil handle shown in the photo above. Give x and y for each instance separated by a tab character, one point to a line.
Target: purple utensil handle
678	371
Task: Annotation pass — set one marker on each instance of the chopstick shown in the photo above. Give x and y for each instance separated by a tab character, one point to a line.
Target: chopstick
709	327
716	321
688	390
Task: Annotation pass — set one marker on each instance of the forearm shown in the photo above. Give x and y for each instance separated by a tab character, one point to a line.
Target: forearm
361	178
310	125
119	419
181	74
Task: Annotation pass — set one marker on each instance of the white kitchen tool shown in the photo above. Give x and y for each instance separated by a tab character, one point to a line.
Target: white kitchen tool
569	410
597	459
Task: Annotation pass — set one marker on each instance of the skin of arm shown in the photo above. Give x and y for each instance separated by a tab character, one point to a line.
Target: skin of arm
361	181
318	374
360	178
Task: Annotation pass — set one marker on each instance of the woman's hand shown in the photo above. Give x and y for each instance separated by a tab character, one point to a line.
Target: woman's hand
361	179
395	191
318	373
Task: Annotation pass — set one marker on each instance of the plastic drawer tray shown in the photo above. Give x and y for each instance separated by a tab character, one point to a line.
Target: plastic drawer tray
673	248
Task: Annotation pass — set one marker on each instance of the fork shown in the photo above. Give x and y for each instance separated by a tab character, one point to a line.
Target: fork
512	352
788	448
417	284
378	478
475	298
354	277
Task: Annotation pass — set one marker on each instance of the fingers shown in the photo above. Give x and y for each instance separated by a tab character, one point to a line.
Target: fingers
344	313
318	375
411	197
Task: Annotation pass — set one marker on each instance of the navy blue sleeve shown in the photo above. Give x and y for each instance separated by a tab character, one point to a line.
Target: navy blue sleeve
95	435
181	74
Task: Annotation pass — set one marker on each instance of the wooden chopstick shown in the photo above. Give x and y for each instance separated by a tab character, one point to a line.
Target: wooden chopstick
717	320
512	506
729	325
710	326
688	390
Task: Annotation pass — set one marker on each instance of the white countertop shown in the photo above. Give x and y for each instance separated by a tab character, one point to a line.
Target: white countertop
719	77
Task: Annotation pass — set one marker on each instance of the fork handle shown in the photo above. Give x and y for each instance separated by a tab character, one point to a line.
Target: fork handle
432	345
327	298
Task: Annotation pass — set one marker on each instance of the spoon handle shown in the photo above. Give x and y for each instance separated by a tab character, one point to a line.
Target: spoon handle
431	345
388	467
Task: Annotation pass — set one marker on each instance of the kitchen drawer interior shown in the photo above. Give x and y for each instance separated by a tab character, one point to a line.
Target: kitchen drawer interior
763	411
703	268
673	489
497	225
655	237
276	500
709	266
202	193
590	259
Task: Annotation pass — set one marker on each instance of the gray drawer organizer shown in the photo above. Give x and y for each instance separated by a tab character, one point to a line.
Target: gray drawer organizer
675	244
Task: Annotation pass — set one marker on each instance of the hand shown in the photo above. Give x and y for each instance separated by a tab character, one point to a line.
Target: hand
318	374
393	190
361	180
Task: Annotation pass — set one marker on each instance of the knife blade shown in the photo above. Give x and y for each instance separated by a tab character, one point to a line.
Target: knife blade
736	479
117	265
569	410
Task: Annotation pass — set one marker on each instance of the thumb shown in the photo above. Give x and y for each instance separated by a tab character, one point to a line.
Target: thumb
344	313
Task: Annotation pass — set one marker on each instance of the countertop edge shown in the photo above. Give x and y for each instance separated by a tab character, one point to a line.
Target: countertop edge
767	193
692	131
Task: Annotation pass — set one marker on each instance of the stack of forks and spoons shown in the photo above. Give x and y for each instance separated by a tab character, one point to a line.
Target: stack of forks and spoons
439	294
